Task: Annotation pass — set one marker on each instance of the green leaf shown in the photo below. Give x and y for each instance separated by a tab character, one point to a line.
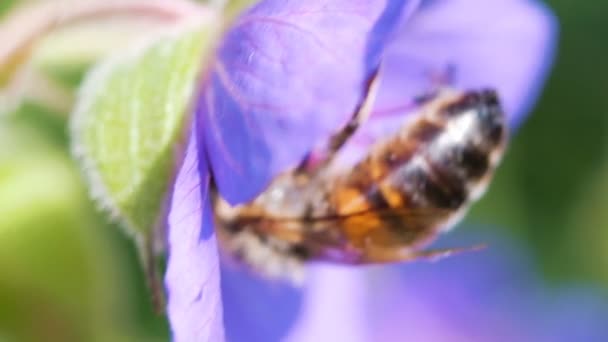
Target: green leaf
129	119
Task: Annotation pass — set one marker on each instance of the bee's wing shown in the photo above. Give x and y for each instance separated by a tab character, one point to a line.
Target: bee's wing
375	236
382	254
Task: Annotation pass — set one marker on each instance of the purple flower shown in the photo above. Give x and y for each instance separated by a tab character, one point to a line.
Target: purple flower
491	295
287	75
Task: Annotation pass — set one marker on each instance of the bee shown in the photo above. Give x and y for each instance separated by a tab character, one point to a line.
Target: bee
388	207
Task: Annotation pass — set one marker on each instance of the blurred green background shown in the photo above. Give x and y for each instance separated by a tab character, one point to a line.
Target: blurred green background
552	190
73	276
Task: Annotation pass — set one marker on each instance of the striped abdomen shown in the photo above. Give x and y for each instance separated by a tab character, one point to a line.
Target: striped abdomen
428	173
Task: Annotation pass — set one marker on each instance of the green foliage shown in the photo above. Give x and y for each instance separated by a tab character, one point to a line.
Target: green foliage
556	155
587	240
59	268
129	120
5	6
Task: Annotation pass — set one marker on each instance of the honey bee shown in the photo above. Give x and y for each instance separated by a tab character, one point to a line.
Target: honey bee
409	188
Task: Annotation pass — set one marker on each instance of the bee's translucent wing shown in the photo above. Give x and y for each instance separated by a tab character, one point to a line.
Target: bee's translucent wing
382	254
287	75
375	236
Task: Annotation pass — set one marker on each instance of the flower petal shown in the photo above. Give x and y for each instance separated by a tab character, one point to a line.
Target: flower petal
193	276
491	295
334	306
288	71
256	309
467	44
506	44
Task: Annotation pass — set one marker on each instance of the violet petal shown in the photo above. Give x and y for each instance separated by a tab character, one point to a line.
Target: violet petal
467	44
334	310
193	275
491	295
288	71
256	309
506	44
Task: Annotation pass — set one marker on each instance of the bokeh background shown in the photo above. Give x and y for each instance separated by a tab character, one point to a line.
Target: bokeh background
67	274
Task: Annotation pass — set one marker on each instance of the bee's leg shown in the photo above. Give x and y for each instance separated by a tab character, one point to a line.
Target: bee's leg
319	159
444	77
393	254
439	80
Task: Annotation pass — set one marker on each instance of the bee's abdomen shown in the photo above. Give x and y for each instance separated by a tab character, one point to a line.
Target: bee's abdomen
441	160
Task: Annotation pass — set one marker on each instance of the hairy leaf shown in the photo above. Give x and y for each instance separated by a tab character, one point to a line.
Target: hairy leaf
130	115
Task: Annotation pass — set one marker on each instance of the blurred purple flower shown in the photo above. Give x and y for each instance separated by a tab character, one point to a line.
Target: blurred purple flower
492	295
287	75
